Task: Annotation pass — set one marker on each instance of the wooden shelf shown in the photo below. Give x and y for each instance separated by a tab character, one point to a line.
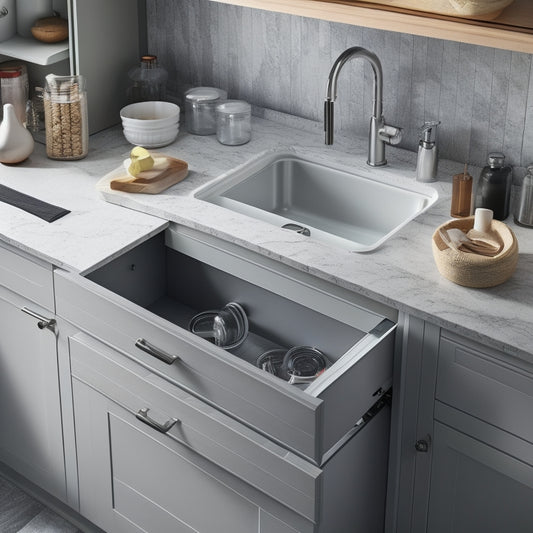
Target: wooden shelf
510	31
33	51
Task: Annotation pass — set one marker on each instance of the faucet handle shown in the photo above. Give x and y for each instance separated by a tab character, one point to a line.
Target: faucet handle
328	120
390	134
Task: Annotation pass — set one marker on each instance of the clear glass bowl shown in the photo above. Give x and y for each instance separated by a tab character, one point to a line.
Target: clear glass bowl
227	328
304	364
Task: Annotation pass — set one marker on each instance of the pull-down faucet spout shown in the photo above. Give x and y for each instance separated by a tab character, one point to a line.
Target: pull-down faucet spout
379	133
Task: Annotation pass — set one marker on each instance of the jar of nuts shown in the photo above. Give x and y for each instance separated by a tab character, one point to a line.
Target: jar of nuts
65	116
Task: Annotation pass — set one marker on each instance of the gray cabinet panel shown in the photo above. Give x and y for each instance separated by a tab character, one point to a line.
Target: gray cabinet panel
103	47
27	277
131	481
31	438
226	443
476	487
489	388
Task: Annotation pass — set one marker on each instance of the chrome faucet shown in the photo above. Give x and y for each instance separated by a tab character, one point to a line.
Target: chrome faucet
380	133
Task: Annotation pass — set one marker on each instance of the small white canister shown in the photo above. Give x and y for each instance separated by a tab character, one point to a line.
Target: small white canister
234	122
8	19
29	11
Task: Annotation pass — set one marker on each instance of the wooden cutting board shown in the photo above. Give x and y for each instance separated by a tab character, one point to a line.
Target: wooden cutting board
155	180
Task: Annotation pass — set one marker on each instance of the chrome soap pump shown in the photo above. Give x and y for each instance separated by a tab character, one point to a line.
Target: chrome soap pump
427	162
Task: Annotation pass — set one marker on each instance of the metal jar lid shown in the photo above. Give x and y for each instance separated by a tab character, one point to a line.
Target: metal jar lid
233	108
205	95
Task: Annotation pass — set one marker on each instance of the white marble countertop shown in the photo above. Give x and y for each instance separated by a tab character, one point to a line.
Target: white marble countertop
401	273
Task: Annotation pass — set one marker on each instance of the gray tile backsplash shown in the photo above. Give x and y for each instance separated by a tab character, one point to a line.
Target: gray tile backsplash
483	96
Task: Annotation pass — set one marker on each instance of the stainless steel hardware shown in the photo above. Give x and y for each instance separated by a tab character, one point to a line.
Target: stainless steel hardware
422	445
142	415
302	230
155	352
380	133
43	322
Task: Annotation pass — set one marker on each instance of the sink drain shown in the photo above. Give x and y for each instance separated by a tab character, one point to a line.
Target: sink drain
302	230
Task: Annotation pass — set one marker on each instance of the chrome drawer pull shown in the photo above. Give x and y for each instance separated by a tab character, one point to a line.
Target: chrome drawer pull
43	321
142	415
155	352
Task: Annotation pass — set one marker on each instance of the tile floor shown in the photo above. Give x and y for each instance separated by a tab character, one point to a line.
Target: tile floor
20	513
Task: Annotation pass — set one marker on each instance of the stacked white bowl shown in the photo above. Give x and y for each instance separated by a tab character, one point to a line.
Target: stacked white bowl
150	124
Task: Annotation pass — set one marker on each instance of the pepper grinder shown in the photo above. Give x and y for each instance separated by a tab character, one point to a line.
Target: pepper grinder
524	215
427	162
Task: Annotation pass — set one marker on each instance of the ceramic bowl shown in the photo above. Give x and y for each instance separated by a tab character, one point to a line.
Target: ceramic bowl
151	138
150	114
150	124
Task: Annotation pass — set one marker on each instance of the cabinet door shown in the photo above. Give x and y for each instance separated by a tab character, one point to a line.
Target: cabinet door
133	479
476	487
31	438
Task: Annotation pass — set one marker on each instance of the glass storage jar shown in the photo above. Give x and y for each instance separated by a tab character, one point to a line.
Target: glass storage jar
200	104
65	115
234	122
14	88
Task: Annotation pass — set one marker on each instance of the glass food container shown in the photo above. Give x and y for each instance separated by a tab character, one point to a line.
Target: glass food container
65	115
200	104
234	122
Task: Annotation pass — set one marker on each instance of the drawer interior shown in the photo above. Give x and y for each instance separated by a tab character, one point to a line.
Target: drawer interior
176	287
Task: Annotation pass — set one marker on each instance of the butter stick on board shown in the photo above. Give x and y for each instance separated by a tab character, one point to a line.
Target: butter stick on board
153	181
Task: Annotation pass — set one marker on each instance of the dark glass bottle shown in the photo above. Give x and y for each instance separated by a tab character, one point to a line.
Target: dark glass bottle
494	186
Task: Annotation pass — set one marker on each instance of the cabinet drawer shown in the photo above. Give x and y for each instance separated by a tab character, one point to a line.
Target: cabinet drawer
201	428
31	279
485	386
153	291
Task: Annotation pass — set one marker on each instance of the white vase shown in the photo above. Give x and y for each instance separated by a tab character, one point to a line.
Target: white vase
16	142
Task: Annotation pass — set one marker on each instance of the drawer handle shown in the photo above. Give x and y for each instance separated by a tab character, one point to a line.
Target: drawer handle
142	415
43	321
155	352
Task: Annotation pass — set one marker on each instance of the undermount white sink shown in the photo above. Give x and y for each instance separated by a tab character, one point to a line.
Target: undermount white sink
329	205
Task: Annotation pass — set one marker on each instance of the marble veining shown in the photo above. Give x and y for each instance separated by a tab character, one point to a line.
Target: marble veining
401	273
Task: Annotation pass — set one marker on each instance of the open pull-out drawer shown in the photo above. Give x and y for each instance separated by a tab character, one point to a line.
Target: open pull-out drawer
143	301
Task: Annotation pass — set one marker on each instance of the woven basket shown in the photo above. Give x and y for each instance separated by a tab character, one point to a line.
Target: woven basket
472	270
479	9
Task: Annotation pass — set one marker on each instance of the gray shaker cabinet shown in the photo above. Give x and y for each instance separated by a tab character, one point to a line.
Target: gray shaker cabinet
166	445
465	436
31	441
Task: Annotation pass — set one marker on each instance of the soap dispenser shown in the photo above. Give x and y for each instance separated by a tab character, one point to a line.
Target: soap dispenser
524	214
427	162
494	186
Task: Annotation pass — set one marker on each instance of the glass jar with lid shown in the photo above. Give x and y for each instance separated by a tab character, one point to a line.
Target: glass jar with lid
65	115
200	104
14	88
234	122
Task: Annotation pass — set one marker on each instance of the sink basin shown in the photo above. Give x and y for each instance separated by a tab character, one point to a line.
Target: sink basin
329	205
